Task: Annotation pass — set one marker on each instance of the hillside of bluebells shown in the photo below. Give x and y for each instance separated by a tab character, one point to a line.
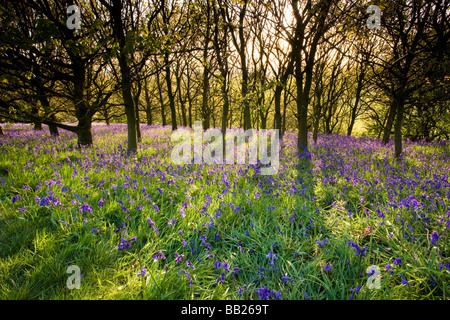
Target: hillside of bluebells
140	227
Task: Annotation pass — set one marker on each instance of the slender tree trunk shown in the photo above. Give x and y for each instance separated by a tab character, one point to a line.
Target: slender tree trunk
356	105
189	98
244	92
389	121
129	108
161	99
398	127
225	108
205	96
170	93
277	100
81	108
118	29
181	100
283	116
136	106
148	108
1	131
316	129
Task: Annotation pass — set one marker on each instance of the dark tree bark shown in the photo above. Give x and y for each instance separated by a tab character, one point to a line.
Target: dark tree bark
398	127
389	121
181	100
189	98
52	128
148	107
206	114
136	105
354	109
170	94
37	124
303	72
161	101
106	115
241	48
115	10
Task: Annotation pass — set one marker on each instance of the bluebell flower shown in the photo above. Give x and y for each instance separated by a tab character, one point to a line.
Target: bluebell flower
356	290
321	243
221	279
359	251
179	257
267	294
101	202
398	261
434	238
15	198
142	273
86	208
189	264
235	271
125	244
217	264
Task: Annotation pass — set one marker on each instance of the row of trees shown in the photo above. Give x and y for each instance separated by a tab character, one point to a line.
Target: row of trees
309	65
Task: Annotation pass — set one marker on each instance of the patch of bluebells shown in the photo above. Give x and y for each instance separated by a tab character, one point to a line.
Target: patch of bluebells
160	255
419	189
328	267
321	243
152	225
355	291
179	257
285	278
434	238
265	293
359	251
272	257
142	273
126	244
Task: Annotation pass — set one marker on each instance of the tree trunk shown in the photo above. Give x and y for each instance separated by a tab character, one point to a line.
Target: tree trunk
189	98
181	100
106	115
84	134
52	128
1	131
225	108
116	17
148	108
161	100
129	108
357	99
316	129
389	122
277	100
170	93
205	95
136	106
398	127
